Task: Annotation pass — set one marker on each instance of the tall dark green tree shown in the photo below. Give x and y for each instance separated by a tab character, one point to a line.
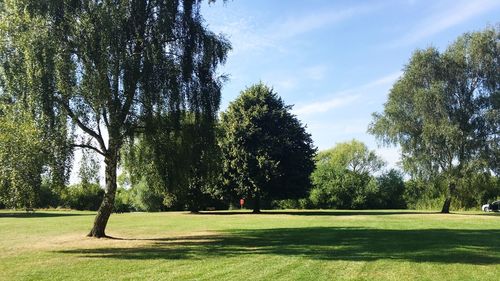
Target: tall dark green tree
112	67
266	151
443	111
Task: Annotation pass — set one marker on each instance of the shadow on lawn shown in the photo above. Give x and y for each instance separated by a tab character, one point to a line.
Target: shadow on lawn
40	215
316	213
324	243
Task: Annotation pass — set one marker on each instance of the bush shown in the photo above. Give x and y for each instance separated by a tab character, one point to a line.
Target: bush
344	190
48	197
303	203
123	201
391	190
472	192
145	198
476	190
425	194
82	196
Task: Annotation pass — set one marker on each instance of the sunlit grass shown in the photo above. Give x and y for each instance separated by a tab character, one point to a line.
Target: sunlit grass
284	245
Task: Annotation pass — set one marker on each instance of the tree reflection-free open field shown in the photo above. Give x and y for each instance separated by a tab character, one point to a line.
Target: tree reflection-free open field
275	245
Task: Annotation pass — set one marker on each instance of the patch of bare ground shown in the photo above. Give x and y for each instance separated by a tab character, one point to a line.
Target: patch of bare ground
80	241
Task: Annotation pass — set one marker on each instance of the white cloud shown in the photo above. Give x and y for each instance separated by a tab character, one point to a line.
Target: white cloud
346	97
295	26
342	127
448	16
324	106
317	72
285	84
246	34
385	80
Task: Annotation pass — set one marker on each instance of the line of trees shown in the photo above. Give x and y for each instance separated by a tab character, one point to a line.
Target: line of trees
136	82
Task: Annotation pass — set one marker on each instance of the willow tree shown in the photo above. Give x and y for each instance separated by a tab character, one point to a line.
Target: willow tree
178	161
27	92
443	111
115	66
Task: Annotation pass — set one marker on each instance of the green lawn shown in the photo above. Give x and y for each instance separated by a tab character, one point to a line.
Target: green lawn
295	245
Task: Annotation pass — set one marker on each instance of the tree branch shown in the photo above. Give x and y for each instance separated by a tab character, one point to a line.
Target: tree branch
82	126
89	147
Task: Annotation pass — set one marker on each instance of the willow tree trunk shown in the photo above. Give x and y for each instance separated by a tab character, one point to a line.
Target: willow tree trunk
447	201
101	219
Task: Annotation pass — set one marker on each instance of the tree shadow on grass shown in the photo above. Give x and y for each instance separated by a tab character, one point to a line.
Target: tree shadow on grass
318	213
323	243
40	215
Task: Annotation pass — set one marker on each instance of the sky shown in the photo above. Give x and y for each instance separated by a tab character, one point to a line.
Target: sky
336	61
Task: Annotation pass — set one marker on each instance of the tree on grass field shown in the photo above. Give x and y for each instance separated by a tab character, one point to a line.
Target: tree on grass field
266	151
110	68
443	111
343	176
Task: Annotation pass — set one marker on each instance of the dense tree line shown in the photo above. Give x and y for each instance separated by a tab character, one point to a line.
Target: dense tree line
136	82
345	179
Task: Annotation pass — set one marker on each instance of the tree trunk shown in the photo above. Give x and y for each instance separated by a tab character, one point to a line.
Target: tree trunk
447	202
101	219
256	204
446	205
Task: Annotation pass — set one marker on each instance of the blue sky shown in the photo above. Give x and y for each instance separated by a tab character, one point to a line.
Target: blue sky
335	61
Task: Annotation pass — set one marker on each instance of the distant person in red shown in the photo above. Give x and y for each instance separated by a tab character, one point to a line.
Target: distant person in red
242	202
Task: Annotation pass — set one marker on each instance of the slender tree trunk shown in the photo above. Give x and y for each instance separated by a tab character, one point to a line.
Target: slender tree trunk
101	219
256	204
447	202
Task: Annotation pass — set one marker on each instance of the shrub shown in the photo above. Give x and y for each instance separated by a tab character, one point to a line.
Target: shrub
391	190
82	196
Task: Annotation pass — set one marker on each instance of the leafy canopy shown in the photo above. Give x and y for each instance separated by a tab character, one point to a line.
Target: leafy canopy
444	110
111	69
265	149
343	177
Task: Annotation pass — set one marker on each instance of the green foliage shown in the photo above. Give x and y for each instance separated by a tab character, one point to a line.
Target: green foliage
108	66
476	190
287	204
182	163
26	83
49	197
89	168
146	198
82	196
21	159
473	192
353	155
443	111
123	201
265	149
391	190
343	177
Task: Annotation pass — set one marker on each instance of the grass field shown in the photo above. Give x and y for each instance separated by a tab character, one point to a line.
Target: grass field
294	245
